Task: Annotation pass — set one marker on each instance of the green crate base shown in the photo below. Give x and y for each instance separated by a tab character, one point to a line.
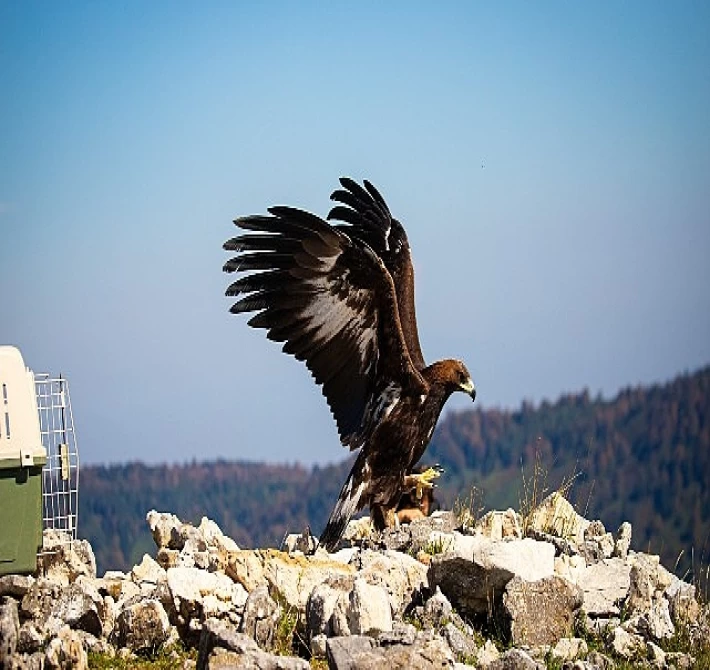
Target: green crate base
20	519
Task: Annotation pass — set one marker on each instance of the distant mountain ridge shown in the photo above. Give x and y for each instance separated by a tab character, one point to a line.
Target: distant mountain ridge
643	456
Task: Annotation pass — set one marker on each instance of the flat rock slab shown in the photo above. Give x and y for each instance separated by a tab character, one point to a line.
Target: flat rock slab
357	652
605	586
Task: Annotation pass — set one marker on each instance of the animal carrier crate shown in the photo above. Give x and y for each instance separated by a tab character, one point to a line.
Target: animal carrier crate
39	463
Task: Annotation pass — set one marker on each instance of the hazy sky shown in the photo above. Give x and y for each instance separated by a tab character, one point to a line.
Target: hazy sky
551	162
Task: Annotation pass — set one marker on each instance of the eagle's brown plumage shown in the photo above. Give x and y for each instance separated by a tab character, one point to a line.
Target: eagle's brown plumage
340	297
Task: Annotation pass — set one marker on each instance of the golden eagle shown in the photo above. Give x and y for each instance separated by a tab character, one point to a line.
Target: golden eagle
340	296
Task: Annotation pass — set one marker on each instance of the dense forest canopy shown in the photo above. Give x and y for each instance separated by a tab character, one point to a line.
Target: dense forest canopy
643	457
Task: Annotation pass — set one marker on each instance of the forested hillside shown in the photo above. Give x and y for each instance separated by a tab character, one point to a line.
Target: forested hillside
643	457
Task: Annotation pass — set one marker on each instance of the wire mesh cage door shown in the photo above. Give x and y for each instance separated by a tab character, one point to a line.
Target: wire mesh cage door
60	494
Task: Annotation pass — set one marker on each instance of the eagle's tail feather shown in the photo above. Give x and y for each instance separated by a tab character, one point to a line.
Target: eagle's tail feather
349	502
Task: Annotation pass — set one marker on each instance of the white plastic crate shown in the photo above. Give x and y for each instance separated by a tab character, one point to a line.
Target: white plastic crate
37	429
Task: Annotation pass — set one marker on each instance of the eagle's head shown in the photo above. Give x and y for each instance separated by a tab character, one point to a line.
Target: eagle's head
454	375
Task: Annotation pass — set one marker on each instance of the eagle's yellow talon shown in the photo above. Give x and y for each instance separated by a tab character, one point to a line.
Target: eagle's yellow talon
423	480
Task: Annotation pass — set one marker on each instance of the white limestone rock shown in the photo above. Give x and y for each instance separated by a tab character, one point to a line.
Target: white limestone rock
142	626
625	644
66	651
294	577
556	516
569	649
365	609
475	573
398	574
605	585
63	560
198	594
498	525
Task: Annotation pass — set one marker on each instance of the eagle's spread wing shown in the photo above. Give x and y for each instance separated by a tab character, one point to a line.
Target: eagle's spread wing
367	218
332	302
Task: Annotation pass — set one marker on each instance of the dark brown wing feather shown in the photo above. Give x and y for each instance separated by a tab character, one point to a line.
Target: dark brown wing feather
332	302
367	218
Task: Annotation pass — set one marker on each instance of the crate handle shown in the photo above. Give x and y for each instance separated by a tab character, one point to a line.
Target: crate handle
64	461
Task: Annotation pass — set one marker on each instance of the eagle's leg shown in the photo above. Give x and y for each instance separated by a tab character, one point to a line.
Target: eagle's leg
422	481
383	517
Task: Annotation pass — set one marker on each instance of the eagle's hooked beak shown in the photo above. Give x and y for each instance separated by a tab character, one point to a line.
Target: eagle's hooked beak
468	387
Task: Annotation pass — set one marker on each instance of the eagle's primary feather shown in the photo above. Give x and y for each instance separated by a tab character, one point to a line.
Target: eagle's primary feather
341	299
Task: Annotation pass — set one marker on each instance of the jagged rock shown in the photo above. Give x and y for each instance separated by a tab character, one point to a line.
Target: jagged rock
95	644
460	644
318	644
66	651
294	577
37	605
487	654
63	560
474	576
246	568
343	652
164	528
562	547
222	646
570	567
539	612
605	585
498	525
304	543
515	659
598	544
556	516
401	633
365	610
198	595
654	623
215	538
81	606
15	585
321	604
141	626
625	644
149	573
420	534
437	610
569	649
9	628
428	652
399	574
684	608
358	530
648	579
183	545
167	558
30	638
218	633
260	618
623	540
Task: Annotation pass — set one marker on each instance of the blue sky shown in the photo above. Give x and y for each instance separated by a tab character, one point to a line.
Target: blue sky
551	162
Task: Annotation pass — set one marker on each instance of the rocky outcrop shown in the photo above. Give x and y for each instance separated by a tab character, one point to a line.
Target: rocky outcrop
433	593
